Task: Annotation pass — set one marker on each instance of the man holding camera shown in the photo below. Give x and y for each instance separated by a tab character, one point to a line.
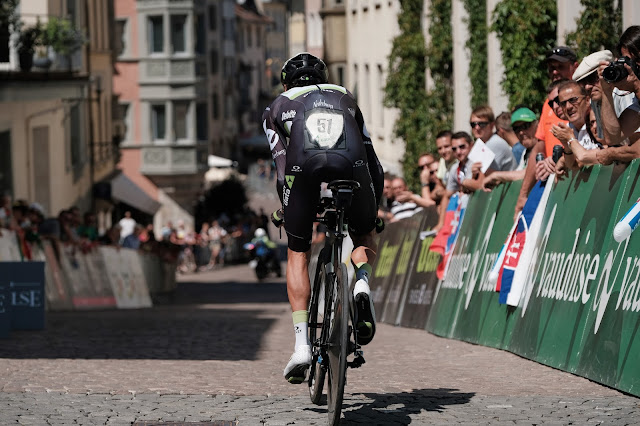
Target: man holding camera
620	83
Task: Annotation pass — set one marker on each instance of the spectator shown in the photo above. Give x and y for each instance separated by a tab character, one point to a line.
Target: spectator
217	234
112	236
482	124
524	124
573	99
127	225
460	171
147	235
384	210
504	130
424	163
88	229
166	231
561	63
132	240
404	204
5	210
587	75
447	156
435	185
620	105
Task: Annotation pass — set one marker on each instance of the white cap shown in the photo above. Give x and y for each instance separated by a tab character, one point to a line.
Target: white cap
591	63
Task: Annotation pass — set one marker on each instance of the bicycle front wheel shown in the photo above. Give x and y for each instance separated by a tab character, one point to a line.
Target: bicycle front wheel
338	345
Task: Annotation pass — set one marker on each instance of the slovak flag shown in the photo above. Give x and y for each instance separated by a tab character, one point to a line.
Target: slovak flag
515	245
445	240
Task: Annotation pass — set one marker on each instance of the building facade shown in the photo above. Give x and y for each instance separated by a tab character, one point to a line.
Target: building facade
56	128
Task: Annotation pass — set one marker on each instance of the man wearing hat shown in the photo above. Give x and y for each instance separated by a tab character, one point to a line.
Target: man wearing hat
524	123
561	63
587	75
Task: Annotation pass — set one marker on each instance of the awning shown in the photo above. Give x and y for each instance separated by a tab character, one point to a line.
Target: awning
125	190
215	161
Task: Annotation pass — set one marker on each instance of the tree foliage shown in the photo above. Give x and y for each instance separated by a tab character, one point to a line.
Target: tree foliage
422	115
526	34
598	27
477	45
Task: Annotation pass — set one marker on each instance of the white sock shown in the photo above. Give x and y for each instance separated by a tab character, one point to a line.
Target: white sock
302	333
300	327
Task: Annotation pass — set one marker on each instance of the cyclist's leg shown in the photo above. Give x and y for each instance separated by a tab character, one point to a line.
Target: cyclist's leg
301	194
362	230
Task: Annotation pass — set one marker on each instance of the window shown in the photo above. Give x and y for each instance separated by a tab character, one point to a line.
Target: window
180	115
340	72
178	35
156	34
201	122
213	17
214	61
201	34
119	39
215	108
158	122
4	42
249	36
229	67
258	38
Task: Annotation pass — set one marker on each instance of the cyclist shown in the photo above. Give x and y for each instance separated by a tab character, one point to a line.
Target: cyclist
316	133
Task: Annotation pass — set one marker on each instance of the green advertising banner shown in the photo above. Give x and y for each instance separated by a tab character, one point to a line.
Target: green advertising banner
579	308
409	228
421	279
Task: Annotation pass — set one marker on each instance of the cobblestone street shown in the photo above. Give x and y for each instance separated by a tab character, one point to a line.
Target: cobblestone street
215	352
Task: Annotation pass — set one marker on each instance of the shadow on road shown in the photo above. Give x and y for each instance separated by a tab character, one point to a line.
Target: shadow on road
396	408
193	325
229	292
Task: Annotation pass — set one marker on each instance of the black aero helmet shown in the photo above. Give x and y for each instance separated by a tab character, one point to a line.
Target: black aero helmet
304	69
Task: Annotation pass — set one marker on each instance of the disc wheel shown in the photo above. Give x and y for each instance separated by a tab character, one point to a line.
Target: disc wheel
338	344
316	318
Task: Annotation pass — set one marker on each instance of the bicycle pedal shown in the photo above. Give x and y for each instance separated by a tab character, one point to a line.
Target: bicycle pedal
357	362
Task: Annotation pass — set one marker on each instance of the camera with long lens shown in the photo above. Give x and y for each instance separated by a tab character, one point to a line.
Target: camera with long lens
616	71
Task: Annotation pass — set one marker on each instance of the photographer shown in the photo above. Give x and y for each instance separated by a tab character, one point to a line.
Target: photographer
621	91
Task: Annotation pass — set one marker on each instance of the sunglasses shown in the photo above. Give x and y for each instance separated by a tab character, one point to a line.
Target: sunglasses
550	102
521	127
481	124
573	101
461	147
421	167
591	79
562	52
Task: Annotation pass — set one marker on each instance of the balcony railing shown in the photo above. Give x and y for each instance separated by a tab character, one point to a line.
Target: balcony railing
164	160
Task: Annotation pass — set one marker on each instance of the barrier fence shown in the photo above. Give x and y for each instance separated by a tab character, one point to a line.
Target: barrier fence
105	277
577	307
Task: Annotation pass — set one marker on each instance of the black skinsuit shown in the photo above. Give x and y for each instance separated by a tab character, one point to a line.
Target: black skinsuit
317	134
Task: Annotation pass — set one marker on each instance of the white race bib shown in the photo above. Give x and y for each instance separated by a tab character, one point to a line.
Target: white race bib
325	127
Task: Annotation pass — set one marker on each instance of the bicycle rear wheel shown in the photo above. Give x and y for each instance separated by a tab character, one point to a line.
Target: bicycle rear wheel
316	317
338	345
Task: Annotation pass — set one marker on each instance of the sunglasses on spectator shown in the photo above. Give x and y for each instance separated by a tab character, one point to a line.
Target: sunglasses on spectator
521	127
591	79
552	101
562	52
573	101
420	167
481	124
461	147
